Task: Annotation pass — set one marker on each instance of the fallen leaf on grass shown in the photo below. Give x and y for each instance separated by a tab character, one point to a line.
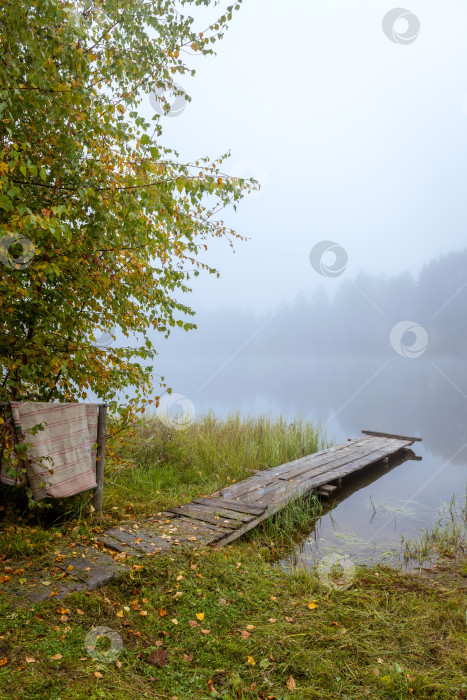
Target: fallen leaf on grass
120	613
4	661
56	657
206	631
80	612
158	643
272	620
343	630
63	618
188	657
273	597
250	627
251	660
200	616
98	674
291	685
143	613
311	605
162	612
174	621
118	664
30	660
158	657
288	619
192	623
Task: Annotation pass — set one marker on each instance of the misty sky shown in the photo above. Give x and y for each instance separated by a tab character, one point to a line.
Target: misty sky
356	139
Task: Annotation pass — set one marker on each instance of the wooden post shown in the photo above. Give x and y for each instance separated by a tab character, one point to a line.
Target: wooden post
100	458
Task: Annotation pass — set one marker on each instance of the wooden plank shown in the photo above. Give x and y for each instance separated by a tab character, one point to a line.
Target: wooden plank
100	459
223	512
341	458
240	506
302	465
190	512
391	435
355	454
116	544
321	475
322	454
328	488
146	544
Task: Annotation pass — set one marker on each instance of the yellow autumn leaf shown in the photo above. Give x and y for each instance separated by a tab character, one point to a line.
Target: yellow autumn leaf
251	660
55	657
200	616
291	685
120	613
311	605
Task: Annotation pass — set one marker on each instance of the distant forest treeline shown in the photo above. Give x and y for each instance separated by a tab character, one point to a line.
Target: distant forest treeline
358	320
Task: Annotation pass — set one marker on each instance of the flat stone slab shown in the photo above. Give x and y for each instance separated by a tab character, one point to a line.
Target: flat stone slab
77	569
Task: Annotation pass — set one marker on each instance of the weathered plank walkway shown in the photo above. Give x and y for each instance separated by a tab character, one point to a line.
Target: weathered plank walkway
215	520
226	515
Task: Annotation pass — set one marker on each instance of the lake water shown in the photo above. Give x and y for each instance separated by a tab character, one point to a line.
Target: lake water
424	397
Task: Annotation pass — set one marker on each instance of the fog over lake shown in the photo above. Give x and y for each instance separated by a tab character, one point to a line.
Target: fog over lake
382	354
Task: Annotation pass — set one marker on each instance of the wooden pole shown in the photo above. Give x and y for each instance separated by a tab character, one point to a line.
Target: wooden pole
100	459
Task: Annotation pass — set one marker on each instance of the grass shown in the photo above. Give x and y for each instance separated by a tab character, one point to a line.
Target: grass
390	635
446	538
157	466
261	632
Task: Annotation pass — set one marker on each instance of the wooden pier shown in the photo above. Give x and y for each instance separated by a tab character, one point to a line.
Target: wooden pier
227	514
215	520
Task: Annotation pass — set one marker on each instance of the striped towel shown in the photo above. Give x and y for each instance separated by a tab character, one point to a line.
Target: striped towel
69	438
